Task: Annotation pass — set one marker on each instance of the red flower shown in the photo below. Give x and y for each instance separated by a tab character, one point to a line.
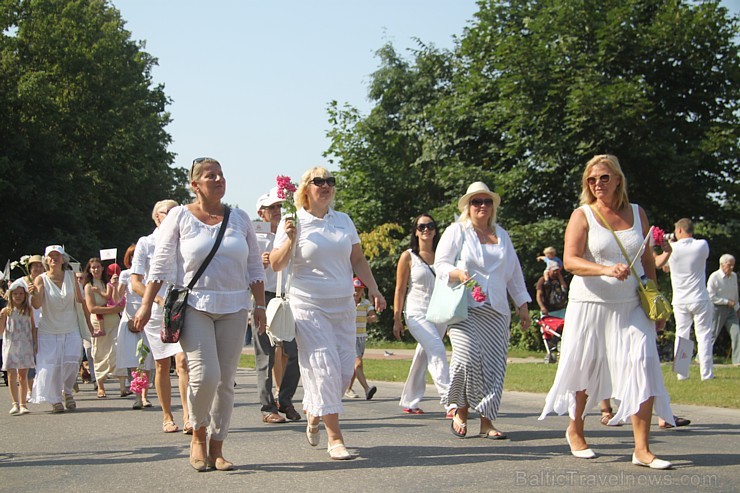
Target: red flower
658	236
478	294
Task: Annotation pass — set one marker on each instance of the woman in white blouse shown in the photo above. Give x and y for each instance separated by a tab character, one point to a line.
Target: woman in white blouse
415	274
216	315
327	250
481	342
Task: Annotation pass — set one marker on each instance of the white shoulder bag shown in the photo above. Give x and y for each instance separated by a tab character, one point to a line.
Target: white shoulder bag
280	321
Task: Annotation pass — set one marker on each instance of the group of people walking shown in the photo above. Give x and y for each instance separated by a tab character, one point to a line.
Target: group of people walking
608	350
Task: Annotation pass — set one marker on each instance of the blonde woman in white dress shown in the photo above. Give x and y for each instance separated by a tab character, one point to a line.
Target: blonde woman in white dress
608	349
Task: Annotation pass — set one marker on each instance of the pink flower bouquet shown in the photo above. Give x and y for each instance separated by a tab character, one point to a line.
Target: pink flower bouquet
139	379
476	291
658	239
285	191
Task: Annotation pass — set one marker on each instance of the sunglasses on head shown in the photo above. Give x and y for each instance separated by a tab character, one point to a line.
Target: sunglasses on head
320	182
197	161
591	180
480	202
426	226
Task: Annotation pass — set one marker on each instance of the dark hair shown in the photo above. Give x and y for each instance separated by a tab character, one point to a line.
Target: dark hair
88	274
415	239
128	257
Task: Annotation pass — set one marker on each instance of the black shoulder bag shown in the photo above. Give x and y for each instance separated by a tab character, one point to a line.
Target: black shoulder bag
176	299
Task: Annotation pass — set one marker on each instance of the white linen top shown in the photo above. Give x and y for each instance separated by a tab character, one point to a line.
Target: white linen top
184	242
143	258
265	242
321	268
421	285
496	270
602	248
723	288
688	264
133	300
58	307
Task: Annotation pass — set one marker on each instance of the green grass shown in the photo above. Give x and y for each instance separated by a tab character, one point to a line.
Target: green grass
538	377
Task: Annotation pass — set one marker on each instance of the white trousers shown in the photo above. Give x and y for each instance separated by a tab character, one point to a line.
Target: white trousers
325	335
700	315
213	345
57	365
430	355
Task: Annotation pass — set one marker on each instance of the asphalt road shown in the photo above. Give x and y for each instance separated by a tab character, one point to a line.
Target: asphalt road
106	446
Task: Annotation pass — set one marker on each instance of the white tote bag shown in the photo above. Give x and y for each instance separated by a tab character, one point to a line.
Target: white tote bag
280	321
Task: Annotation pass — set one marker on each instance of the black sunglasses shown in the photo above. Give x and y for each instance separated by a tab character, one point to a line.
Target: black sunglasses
426	226
199	160
480	202
591	180
320	182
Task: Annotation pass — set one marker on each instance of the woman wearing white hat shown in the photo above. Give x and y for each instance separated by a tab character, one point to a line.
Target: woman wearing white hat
59	341
480	343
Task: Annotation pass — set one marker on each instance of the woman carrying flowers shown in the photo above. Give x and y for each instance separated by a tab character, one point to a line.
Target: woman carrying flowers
327	250
480	343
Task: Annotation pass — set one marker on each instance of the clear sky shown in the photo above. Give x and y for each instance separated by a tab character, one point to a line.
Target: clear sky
250	80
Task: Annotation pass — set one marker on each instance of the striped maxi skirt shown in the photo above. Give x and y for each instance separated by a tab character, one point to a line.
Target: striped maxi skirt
480	346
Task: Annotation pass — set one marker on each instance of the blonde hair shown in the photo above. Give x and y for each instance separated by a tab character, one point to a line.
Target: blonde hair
611	162
168	203
549	250
465	214
301	195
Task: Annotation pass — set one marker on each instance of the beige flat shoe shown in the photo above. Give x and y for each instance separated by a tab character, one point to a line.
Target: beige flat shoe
339	452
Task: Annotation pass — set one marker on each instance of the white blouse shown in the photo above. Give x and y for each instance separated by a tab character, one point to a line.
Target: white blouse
495	268
321	267
183	243
421	285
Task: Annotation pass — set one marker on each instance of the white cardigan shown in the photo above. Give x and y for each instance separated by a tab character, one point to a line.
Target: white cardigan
498	278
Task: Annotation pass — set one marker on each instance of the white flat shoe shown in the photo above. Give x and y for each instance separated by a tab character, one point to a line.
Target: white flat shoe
654	464
581	454
339	452
312	434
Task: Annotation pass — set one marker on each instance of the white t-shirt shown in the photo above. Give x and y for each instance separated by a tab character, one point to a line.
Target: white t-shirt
322	267
143	257
688	270
265	242
183	243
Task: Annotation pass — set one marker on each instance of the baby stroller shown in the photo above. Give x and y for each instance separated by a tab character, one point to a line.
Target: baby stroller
552	330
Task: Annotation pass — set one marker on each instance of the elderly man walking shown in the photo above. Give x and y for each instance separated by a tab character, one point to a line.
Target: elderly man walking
687	258
722	287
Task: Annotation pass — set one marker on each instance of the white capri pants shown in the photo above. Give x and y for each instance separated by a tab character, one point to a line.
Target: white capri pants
700	315
57	365
430	355
325	334
213	345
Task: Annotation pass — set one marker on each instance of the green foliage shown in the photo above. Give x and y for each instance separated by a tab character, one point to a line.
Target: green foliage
83	150
531	91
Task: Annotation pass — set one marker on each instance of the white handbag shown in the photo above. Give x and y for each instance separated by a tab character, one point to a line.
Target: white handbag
280	321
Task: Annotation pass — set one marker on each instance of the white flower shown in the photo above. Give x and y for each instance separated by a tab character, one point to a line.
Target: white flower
25	259
13	264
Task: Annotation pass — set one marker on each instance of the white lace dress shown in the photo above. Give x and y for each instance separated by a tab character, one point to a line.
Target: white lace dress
609	345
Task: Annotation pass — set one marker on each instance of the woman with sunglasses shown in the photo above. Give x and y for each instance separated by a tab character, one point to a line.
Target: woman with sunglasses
478	249
608	349
415	283
216	313
327	251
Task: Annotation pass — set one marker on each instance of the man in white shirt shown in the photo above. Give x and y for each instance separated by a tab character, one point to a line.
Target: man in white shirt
268	209
687	258
722	287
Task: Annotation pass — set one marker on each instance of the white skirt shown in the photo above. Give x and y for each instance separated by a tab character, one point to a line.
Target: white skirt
152	330
609	350
127	341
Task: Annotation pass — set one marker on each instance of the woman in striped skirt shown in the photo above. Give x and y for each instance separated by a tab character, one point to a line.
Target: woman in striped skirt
480	343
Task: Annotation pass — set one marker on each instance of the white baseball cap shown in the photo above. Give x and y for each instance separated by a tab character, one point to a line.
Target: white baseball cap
269	199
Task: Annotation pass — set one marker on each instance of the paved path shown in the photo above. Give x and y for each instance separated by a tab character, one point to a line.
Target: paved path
106	446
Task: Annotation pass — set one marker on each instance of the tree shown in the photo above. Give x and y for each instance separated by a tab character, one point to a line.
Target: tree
531	91
83	146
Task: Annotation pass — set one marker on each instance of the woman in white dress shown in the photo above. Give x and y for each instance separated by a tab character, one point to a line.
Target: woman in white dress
216	314
59	342
161	352
608	349
327	250
127	341
415	283
480	343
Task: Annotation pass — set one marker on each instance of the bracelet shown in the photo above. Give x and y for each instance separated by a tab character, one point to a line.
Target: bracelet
263	307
